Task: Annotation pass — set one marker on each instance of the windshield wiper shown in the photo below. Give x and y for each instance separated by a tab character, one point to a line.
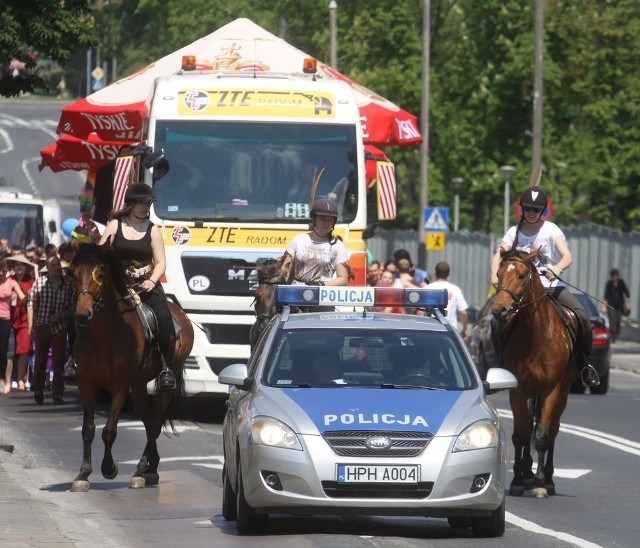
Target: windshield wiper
391	385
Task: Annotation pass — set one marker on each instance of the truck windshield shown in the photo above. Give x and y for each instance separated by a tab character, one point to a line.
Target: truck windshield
254	172
21	224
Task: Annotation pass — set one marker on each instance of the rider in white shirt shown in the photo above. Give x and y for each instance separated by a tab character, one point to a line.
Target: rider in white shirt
531	233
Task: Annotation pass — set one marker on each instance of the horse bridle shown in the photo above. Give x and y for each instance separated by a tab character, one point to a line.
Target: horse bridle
517	299
98	301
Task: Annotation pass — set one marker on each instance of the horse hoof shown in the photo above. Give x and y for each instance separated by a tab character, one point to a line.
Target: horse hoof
516	490
137	482
80	486
152	479
539	493
110	475
551	490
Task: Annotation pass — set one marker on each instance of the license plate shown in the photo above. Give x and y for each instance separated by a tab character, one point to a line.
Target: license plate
353	473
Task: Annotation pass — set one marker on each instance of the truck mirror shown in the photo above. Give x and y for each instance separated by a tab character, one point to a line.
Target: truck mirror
52	227
157	162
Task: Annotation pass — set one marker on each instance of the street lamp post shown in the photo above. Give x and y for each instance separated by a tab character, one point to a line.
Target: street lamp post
333	6
457	181
507	171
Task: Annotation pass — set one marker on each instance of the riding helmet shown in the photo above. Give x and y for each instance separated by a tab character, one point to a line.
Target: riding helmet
139	192
326	207
534	197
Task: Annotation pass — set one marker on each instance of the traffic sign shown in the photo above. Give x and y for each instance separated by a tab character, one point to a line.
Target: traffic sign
436	219
97	73
97	79
435	241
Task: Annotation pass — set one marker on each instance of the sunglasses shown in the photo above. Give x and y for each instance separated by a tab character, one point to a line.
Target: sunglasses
530	209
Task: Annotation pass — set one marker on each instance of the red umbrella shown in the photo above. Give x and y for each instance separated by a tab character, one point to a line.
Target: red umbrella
69	152
116	113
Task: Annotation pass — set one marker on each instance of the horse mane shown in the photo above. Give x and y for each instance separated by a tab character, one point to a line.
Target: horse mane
104	254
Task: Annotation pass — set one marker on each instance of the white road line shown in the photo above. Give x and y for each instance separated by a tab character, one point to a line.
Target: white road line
537	529
7	139
219	458
616	442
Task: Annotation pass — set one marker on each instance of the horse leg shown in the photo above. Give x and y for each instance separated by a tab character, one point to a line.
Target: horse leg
110	433
147	469
81	482
522	473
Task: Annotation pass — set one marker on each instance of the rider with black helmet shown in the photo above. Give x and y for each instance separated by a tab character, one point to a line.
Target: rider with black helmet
139	244
319	257
533	232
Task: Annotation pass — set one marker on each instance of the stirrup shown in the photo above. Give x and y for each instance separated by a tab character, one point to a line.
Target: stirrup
589	376
167	379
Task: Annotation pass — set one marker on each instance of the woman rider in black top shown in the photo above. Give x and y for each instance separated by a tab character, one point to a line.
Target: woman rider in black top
137	241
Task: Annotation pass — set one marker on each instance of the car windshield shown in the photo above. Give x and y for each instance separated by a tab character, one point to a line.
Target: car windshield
254	172
344	358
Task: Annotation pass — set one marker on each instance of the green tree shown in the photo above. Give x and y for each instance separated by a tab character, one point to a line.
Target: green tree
30	29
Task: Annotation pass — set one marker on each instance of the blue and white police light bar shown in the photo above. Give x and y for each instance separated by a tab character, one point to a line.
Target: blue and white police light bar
305	295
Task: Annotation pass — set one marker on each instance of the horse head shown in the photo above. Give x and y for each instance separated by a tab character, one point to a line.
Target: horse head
93	270
518	283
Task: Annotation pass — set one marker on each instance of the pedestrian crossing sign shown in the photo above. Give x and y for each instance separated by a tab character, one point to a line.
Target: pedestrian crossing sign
436	219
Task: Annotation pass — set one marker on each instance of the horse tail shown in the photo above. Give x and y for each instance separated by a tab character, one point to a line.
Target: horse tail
178	408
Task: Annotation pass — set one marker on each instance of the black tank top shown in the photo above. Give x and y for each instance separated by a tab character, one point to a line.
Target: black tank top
133	250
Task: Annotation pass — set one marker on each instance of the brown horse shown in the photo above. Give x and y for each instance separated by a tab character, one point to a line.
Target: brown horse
537	348
271	272
110	352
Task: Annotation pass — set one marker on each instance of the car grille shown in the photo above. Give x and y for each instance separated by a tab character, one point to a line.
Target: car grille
351	443
336	490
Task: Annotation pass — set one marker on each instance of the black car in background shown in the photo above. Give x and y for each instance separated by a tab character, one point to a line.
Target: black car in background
481	346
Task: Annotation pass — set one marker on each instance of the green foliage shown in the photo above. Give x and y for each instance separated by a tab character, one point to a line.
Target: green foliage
30	29
481	84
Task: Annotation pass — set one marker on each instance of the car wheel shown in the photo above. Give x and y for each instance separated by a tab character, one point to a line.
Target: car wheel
491	526
248	521
577	387
603	387
459	522
229	502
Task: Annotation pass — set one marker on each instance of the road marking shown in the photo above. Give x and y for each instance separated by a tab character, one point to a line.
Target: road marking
219	458
137	425
616	442
537	529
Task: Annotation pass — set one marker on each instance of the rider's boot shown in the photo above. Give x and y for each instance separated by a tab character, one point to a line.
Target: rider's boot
589	375
167	378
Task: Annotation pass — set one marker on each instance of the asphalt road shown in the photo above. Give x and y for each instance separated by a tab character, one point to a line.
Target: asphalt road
596	466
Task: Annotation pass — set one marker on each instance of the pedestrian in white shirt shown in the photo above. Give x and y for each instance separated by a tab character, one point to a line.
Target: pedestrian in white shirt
457	307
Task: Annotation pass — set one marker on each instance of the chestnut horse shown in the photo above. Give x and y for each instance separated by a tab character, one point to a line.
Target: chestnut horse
537	349
271	272
110	352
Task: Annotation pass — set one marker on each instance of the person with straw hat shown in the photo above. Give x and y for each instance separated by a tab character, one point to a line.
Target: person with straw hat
25	273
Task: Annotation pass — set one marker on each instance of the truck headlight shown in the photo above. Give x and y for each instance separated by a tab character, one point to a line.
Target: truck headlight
272	432
479	435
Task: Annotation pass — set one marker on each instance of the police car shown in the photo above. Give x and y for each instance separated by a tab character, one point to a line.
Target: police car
364	413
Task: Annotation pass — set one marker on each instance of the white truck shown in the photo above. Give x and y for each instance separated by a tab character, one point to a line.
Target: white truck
243	150
28	221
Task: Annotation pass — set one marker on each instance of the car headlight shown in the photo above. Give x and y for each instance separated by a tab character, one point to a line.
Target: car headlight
479	435
272	432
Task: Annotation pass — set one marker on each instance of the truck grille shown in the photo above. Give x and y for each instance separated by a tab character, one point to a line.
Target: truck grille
351	443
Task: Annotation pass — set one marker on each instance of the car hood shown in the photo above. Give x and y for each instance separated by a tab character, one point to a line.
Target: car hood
317	410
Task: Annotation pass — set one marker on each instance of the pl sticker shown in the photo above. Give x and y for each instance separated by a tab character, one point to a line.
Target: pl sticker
199	283
181	235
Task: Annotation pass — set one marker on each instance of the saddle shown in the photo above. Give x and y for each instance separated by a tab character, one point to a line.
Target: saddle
150	325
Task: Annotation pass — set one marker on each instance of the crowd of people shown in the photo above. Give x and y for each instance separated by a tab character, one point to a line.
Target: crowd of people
36	326
401	272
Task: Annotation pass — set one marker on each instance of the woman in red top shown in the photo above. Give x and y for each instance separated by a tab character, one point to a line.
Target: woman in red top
24	274
9	288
